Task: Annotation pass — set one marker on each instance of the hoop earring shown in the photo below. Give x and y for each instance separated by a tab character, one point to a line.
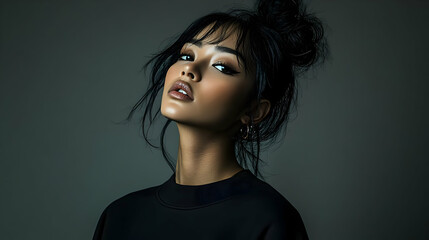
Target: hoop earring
248	129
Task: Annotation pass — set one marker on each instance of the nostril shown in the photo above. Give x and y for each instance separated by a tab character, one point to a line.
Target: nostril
190	74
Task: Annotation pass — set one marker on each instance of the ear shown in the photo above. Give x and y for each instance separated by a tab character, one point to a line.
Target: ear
259	112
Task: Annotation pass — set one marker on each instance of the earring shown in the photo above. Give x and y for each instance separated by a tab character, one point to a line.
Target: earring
249	129
247	132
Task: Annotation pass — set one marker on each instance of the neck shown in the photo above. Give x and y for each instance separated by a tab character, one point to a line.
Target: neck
204	156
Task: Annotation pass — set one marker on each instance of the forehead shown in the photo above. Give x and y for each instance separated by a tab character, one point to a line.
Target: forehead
225	36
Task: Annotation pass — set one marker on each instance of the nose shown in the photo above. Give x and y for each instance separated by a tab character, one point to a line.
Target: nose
190	73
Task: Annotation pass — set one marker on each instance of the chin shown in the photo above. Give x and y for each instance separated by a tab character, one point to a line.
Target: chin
168	112
173	113
174	109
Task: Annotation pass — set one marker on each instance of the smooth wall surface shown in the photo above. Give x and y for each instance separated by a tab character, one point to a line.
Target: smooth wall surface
354	161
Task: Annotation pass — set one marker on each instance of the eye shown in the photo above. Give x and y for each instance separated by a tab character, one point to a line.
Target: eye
224	68
185	57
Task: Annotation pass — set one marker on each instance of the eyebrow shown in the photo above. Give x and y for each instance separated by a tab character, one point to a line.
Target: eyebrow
199	44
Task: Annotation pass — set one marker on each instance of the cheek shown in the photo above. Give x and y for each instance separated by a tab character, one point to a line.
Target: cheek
222	100
220	93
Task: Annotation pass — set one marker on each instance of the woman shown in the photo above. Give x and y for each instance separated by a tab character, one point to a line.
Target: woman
228	83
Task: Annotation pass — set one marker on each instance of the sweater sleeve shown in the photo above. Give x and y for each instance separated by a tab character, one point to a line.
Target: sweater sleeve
288	226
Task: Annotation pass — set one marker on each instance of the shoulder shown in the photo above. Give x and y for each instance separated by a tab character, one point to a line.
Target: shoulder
270	198
285	220
122	211
132	199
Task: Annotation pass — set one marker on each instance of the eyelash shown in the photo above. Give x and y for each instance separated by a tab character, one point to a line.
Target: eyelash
228	70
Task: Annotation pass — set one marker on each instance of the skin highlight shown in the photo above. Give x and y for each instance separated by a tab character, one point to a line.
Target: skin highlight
207	124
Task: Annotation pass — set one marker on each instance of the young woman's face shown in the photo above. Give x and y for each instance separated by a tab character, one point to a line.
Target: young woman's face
207	87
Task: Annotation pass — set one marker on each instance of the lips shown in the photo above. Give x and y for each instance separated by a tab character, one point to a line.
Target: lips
182	90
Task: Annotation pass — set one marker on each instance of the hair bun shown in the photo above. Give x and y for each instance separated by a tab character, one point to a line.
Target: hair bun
302	32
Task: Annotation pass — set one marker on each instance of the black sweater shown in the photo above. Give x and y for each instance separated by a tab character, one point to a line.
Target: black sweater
241	207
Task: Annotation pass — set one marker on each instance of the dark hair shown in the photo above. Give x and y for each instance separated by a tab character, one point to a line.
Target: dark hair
279	41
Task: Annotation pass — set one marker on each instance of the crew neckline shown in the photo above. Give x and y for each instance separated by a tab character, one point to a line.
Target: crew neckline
174	195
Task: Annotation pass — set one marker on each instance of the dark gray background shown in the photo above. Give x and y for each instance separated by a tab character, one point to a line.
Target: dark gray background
354	160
